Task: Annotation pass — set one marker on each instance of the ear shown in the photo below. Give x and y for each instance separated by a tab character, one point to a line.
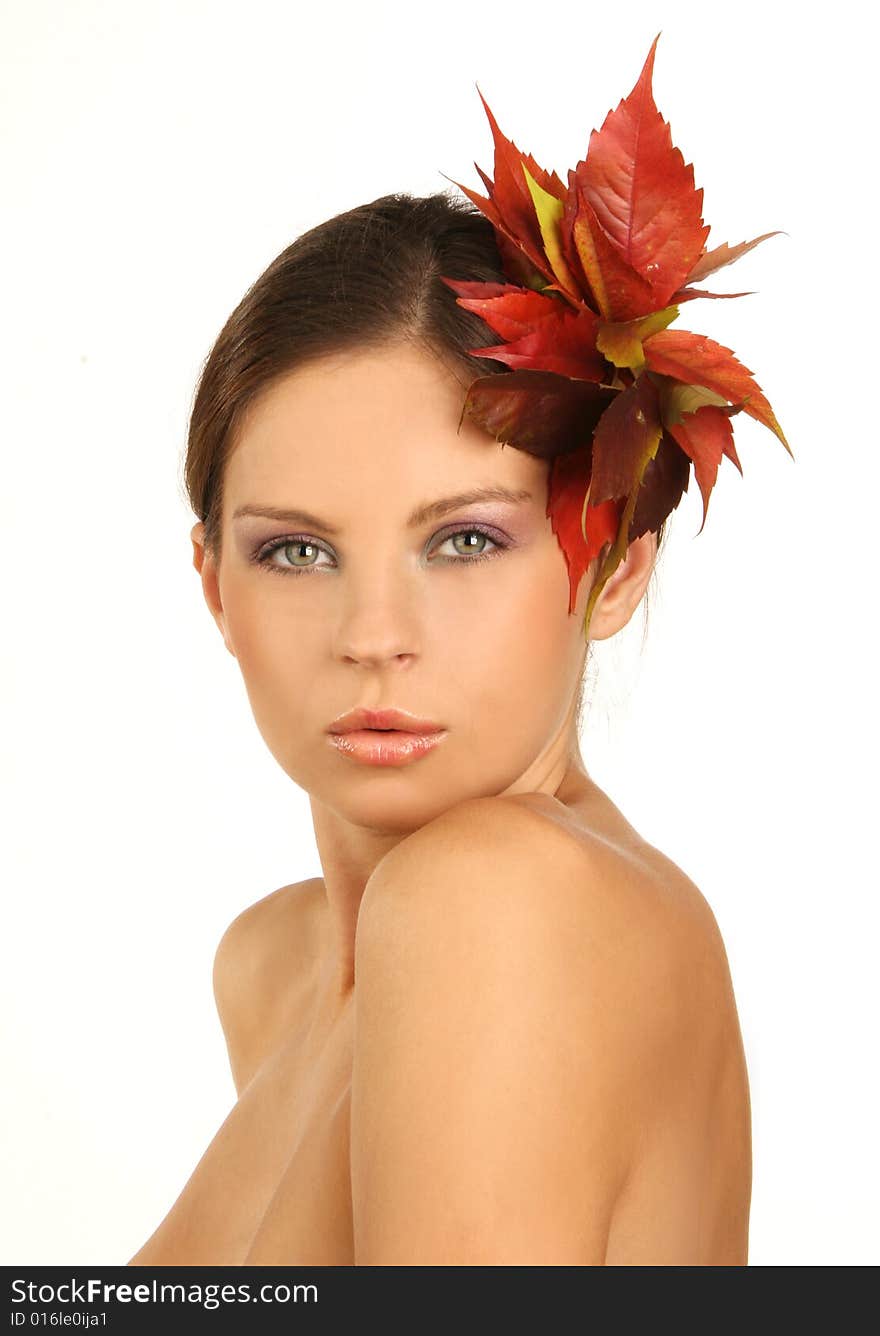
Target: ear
623	591
207	569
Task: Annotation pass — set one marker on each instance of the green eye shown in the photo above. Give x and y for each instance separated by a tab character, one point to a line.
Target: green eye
472	531
288	546
297	547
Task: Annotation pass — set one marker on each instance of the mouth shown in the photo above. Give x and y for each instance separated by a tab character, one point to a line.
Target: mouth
384	721
385	746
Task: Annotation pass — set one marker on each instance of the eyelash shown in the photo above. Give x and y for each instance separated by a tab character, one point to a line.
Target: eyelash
263	556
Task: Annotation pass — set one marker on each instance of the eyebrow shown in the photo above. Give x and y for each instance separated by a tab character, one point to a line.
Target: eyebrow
431	510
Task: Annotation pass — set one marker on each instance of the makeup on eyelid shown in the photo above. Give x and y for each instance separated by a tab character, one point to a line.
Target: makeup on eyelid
262	554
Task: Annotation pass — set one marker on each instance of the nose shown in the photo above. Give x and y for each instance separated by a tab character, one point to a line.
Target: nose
378	620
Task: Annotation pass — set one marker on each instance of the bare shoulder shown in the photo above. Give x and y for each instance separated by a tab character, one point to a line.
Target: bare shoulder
252	936
522	826
485	853
527	992
260	948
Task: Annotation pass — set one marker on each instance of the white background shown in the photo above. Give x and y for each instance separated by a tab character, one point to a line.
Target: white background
155	158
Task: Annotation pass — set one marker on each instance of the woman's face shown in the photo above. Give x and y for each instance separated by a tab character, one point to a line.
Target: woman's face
376	600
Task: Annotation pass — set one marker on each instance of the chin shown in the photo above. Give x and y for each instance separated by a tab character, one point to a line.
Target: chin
390	799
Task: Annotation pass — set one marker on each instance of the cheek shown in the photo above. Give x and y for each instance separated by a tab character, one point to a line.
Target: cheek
526	644
271	648
540	658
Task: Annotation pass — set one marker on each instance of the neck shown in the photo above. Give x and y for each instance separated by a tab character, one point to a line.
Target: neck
350	852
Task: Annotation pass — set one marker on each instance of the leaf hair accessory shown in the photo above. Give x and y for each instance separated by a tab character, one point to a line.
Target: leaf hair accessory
598	383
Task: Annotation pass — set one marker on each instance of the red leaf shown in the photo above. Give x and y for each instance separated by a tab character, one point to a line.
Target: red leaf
688	294
642	192
619	292
664	483
510	207
567	490
564	342
510	193
478	288
624	443
700	361
626	437
570	250
530	273
627	243
509	310
537	411
715	259
704	436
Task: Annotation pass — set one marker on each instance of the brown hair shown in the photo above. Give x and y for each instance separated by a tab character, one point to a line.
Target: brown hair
368	276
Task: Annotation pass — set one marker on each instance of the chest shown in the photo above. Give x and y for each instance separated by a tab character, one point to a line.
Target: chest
307	1216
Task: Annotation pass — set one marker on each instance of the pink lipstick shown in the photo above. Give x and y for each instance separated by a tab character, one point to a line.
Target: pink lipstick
384	737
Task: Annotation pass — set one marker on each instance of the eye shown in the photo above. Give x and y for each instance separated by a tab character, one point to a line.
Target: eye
473	551
297	555
300	551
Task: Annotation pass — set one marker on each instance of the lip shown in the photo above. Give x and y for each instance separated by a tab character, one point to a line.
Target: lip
398	720
397	747
403	737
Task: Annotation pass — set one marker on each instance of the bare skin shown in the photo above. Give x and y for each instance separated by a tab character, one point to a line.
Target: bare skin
380	625
274	1185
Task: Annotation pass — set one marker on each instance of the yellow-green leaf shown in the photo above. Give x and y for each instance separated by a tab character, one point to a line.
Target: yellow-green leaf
549	214
677	399
621	341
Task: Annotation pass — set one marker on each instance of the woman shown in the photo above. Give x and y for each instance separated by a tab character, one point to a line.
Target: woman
500	1029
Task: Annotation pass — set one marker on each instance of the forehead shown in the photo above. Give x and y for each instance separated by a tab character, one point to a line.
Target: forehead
389	417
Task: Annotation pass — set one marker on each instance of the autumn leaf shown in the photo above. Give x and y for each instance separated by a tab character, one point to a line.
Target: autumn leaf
664	482
689	294
582	530
540	412
700	361
625	438
704	437
596	381
564	343
678	400
642	193
549	210
620	293
622	342
625	441
510	310
715	259
510	206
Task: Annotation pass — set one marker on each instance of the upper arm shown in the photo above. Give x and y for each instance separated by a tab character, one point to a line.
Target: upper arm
494	1077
